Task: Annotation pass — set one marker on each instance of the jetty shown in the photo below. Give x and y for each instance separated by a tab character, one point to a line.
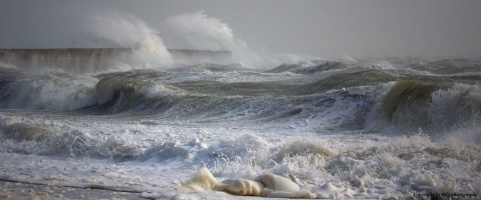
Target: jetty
90	59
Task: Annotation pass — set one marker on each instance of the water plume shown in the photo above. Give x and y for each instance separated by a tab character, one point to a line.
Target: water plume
201	32
127	31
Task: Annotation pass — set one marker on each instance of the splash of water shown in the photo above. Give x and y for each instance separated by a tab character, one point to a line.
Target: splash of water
202	32
127	31
199	31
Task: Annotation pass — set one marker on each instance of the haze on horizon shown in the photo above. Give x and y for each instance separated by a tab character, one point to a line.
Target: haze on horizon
326	29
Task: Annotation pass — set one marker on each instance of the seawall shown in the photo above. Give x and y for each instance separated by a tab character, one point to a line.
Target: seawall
91	59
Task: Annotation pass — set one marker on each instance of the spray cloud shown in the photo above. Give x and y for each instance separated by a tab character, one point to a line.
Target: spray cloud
201	32
127	31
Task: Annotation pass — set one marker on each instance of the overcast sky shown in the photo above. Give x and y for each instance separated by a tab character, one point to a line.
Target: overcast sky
305	27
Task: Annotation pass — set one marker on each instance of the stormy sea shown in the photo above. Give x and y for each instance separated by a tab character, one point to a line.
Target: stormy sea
341	128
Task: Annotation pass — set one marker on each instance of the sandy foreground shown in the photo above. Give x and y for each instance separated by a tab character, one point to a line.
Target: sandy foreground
18	190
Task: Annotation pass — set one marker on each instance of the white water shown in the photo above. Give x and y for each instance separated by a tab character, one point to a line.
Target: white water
332	166
317	140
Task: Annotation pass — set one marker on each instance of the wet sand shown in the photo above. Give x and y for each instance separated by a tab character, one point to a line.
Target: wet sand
18	190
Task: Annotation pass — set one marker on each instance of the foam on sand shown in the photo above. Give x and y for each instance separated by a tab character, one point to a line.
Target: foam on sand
266	185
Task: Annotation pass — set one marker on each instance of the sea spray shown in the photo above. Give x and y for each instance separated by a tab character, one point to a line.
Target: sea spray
127	31
114	42
199	31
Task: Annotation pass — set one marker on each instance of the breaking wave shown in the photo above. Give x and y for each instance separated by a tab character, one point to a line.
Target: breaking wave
332	95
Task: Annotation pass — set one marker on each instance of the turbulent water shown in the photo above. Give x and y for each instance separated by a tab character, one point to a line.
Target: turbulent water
371	128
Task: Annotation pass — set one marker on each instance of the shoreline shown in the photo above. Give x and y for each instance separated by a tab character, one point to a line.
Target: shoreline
23	190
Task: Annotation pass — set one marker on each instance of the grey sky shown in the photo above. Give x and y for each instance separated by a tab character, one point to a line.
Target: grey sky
304	27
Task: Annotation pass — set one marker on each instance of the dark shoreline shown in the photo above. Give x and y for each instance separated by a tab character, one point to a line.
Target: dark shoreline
22	190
